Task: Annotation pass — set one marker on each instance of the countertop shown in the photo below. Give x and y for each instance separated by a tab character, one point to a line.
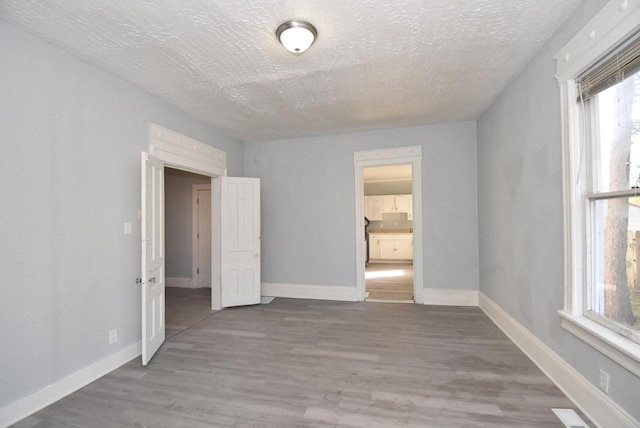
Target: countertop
390	231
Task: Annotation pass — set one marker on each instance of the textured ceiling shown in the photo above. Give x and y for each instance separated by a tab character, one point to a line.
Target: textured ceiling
375	64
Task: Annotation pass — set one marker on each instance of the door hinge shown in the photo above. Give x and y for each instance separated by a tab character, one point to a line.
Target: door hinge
197	201
197	236
198	271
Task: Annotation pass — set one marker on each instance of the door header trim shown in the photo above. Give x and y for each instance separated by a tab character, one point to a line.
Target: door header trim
185	153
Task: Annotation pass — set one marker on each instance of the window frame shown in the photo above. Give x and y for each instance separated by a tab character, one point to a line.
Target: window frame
612	25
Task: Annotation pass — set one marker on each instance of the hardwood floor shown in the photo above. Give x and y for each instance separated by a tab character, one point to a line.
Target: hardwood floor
184	307
306	363
389	282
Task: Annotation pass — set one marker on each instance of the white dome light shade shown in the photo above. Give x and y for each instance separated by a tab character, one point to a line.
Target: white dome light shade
296	36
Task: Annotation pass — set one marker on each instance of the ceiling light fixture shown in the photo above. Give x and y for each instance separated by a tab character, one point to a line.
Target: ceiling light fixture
296	36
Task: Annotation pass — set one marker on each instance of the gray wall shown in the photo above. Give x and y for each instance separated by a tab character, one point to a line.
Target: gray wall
69	177
520	211
178	220
308	204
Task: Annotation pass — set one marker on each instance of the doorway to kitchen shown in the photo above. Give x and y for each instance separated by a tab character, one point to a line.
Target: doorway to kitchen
388	206
389	249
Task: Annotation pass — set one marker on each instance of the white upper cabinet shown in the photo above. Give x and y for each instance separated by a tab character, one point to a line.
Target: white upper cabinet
388	204
402	203
373	207
393	204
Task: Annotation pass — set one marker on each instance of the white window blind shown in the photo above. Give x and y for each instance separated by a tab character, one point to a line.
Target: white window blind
612	69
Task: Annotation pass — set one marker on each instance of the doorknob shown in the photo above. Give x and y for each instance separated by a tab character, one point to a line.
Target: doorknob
138	280
153	279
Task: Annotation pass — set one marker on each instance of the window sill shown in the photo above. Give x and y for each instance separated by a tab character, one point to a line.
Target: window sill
618	348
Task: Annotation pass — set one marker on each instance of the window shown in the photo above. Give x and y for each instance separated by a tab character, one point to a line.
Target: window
610	119
599	76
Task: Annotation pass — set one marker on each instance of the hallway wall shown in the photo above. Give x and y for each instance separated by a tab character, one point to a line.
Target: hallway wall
179	221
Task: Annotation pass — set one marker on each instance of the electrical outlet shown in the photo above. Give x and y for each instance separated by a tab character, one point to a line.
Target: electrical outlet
113	336
604	381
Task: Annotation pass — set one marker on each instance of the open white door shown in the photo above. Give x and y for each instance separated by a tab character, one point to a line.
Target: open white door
237	224
152	256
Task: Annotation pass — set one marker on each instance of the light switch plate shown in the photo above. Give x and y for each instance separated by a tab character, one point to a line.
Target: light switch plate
127	228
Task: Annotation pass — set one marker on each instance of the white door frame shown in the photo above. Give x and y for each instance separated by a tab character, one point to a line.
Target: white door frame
187	154
395	156
194	230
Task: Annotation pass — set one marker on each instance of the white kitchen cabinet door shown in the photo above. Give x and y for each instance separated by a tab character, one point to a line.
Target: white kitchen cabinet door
374	248
410	212
396	204
373	207
388	204
404	249
387	249
402	203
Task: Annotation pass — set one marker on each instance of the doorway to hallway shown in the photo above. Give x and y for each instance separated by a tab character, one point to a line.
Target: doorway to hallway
187	249
235	230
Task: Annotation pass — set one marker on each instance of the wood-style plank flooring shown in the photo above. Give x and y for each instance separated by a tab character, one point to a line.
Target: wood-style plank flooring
398	286
306	363
185	307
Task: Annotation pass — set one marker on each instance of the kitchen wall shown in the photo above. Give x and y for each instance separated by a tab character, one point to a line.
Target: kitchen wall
178	217
388	188
308	204
69	178
390	221
521	215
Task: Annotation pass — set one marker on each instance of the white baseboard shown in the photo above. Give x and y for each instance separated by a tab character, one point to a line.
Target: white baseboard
308	291
434	296
601	409
24	407
179	282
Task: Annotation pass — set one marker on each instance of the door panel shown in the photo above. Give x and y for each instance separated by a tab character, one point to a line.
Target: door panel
240	240
152	217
